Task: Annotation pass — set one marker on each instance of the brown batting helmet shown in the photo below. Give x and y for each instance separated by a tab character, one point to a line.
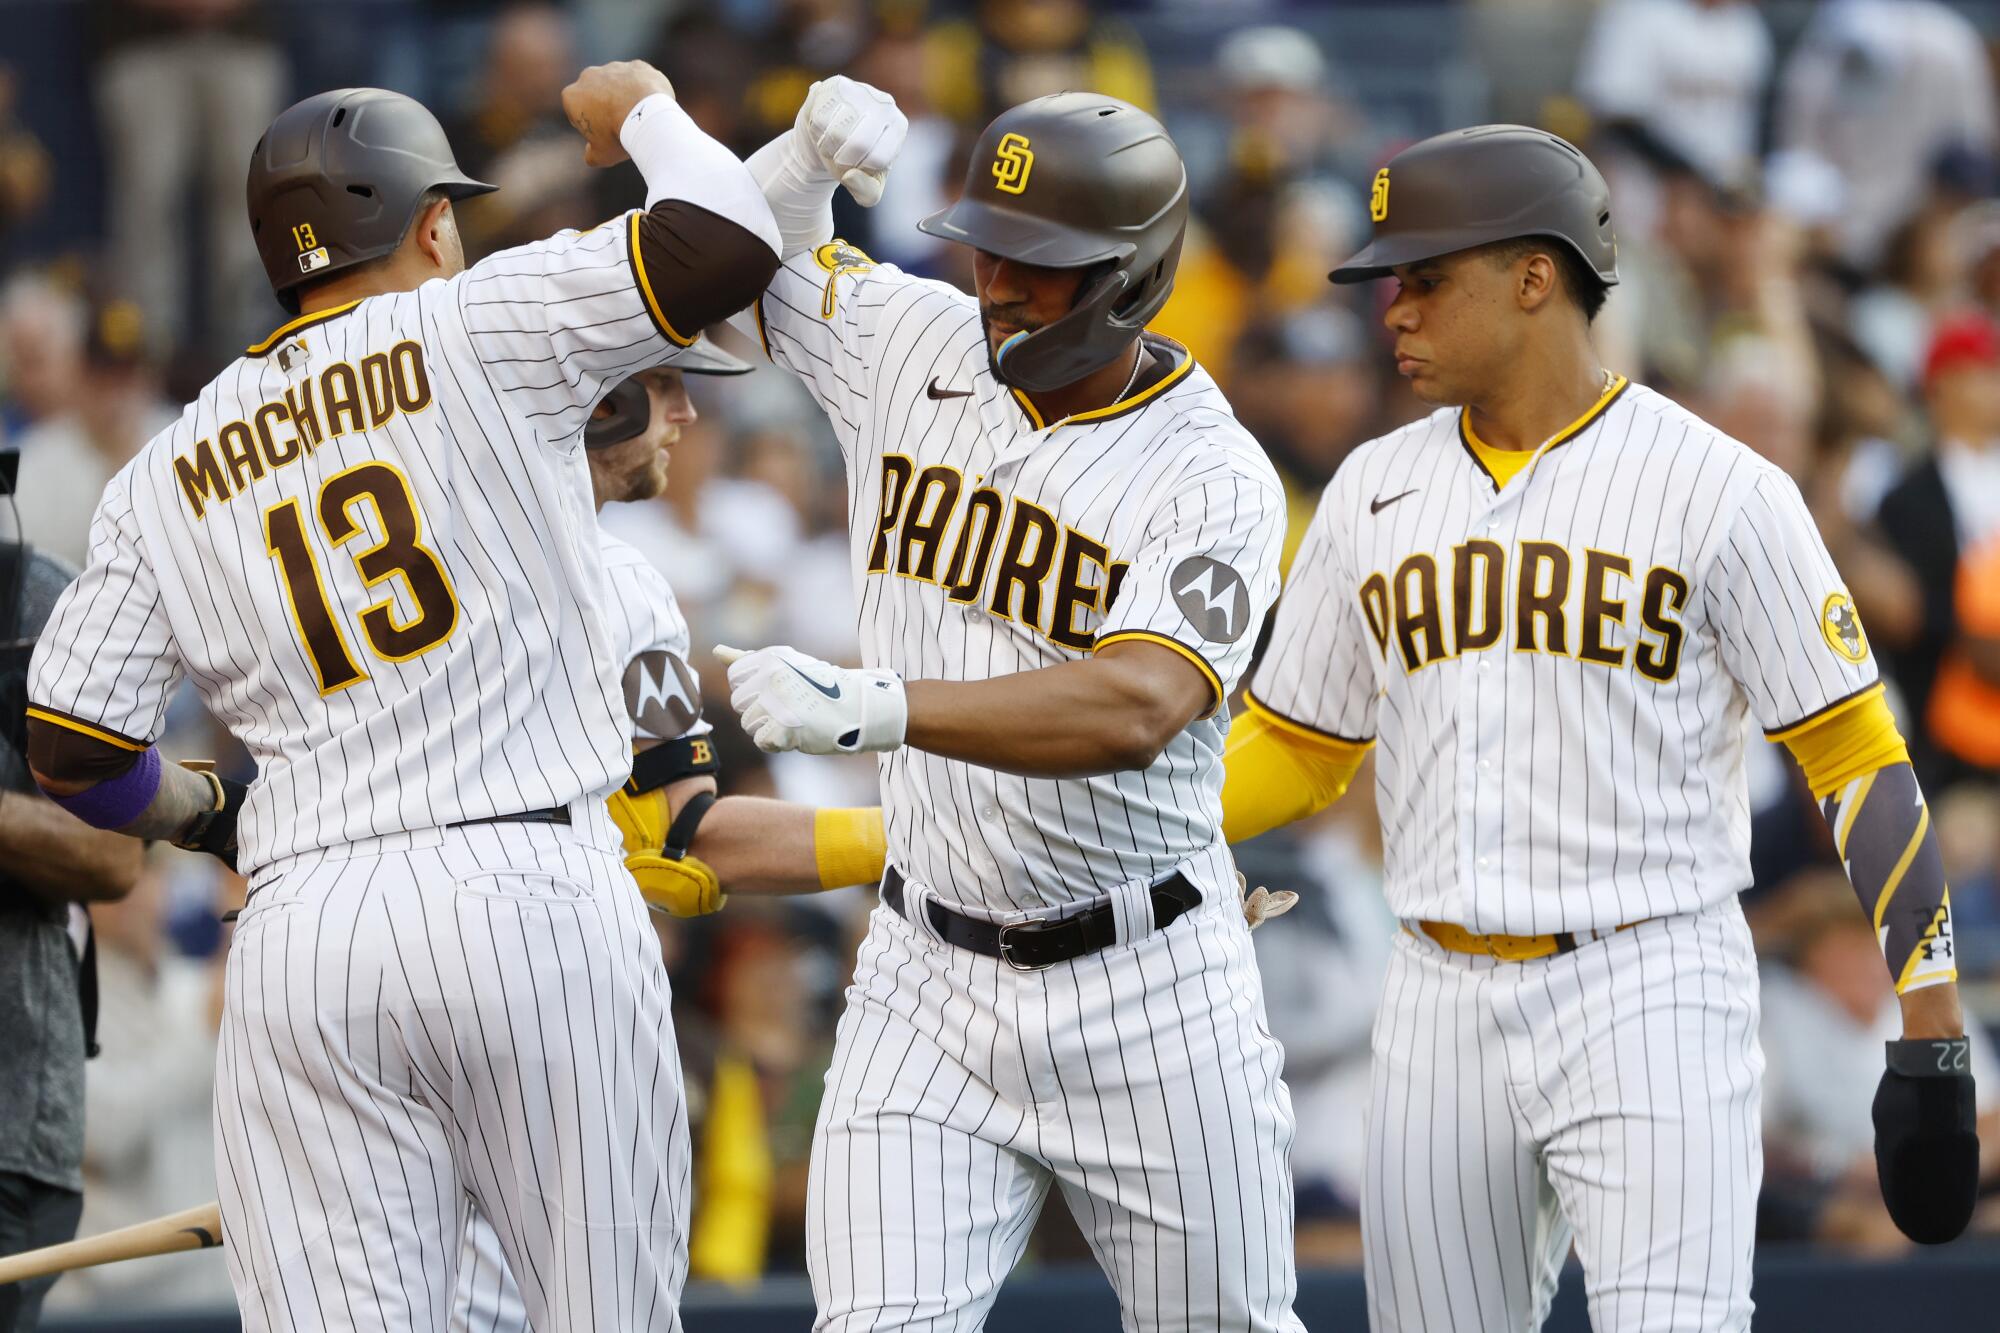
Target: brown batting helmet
1076	180
337	180
1489	183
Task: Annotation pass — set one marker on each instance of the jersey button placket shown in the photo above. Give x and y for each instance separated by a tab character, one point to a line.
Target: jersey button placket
1482	734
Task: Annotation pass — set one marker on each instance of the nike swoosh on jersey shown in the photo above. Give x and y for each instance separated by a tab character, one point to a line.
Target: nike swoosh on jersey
934	392
830	691
1378	504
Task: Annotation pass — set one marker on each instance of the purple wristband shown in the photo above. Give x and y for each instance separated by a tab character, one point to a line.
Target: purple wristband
116	802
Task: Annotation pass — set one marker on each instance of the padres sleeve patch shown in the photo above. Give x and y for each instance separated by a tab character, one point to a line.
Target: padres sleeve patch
1840	625
838	257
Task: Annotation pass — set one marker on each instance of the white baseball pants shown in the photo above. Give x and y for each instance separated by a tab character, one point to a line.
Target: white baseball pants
1609	1095
1142	1078
429	1016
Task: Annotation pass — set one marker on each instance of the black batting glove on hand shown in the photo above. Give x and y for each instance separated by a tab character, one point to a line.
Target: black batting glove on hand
1926	1145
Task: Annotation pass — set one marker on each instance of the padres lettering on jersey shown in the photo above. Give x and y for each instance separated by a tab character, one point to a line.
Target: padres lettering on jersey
986	542
920	512
371	544
1470	590
1559	670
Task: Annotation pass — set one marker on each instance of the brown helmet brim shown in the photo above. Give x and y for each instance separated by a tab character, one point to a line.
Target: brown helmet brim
1379	257
1023	239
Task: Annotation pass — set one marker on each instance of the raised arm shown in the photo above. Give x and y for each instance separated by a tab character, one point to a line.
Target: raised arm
557	322
846	133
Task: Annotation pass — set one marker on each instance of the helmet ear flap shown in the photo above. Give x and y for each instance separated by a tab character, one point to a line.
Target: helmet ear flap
1066	350
1140	288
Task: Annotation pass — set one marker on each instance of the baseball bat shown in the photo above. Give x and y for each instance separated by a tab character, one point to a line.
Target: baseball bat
194	1229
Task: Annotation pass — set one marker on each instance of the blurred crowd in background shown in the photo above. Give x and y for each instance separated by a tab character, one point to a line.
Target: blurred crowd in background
1807	199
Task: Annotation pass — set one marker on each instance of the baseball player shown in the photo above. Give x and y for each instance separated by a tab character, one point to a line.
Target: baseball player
1551	607
1062	545
682	843
370	545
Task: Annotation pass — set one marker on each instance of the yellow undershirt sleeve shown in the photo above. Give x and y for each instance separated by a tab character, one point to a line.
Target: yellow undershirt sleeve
850	846
1851	740
1275	772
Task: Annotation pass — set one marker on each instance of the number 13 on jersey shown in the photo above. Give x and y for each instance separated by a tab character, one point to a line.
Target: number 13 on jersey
400	553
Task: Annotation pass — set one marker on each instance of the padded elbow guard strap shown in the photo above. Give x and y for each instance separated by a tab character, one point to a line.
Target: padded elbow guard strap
670	879
680	833
670	761
1882	829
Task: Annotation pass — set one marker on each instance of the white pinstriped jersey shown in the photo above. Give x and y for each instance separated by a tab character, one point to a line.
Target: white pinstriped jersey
985	543
370	543
1559	673
651	645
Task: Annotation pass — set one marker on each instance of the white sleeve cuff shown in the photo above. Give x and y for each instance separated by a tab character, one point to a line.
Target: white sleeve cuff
680	162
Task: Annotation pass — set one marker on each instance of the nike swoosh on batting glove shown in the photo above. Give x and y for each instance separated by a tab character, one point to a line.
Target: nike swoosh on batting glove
789	700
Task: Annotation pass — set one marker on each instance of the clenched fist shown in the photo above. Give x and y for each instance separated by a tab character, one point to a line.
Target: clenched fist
600	99
853	131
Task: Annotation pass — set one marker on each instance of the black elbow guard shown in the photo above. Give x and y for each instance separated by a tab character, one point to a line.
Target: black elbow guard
670	761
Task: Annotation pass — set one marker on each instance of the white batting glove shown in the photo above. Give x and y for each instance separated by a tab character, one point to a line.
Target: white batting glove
791	701
855	131
1260	904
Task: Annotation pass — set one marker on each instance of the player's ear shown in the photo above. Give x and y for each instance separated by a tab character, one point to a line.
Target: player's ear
1536	281
436	236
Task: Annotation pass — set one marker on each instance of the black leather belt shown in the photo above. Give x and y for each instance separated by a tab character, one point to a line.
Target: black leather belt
1030	946
555	814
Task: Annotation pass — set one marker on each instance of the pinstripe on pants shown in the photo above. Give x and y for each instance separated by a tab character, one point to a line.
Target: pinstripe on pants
1141	1078
1609	1094
429	1016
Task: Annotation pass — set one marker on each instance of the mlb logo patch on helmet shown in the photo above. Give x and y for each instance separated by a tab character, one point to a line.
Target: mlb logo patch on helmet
313	260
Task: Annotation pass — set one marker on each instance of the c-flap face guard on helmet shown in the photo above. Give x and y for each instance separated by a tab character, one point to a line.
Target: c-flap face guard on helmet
1063	351
631	406
628	411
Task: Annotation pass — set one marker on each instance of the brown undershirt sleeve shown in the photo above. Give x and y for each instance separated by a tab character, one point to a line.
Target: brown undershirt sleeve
695	267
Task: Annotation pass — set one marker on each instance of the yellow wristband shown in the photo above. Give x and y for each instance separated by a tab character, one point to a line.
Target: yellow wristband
850	846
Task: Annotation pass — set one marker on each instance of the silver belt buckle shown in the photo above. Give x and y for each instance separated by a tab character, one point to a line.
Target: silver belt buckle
1007	952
